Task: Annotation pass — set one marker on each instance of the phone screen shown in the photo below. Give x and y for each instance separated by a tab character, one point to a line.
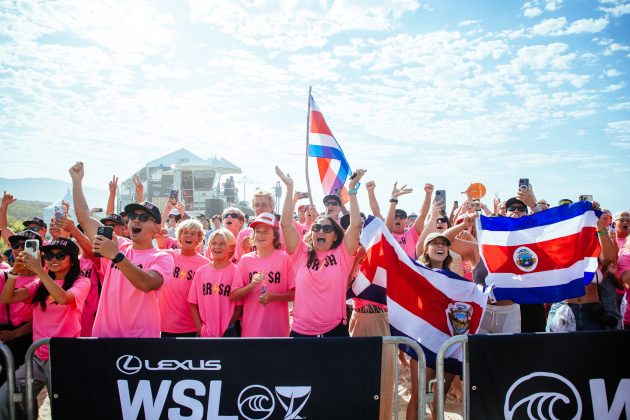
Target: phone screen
106	231
31	246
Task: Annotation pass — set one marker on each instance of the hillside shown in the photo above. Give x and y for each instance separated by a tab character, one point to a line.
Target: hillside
49	190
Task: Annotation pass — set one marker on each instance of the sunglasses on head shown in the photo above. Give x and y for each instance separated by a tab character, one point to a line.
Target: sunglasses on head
324	228
232	215
516	208
18	245
143	217
331	203
59	256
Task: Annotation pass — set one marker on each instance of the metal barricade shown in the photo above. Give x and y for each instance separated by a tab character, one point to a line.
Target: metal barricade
422	367
439	375
28	360
394	341
13	396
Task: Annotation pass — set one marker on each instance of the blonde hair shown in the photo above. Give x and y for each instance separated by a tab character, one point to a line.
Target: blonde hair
192	224
264	194
225	234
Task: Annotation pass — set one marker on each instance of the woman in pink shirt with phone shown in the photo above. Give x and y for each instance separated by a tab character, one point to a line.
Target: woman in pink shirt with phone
322	266
57	299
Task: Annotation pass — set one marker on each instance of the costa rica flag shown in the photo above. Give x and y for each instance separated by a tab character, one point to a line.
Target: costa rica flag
545	257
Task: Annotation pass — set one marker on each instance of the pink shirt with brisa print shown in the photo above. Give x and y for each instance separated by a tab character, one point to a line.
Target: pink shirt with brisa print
20	312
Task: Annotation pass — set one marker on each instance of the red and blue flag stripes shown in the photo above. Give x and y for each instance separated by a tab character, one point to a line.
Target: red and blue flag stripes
428	306
332	164
546	257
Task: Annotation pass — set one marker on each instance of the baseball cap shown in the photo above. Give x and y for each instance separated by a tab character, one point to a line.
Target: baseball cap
65	244
146	206
511	201
401	213
36	220
25	234
413	215
266	219
433	236
113	217
333	197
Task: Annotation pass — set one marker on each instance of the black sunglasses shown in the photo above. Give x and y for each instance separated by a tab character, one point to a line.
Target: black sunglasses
17	245
442	220
59	256
331	203
324	228
36	228
232	215
515	208
143	217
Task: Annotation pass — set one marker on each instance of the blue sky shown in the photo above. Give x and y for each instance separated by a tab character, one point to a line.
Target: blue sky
447	92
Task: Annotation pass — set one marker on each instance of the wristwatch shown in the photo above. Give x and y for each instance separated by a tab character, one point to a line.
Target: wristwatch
118	258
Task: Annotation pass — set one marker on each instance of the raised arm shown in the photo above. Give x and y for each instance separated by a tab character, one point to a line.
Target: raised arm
111	200
351	238
84	243
608	252
139	188
81	208
62	297
290	233
468	250
374	207
393	201
429	227
7	200
418	225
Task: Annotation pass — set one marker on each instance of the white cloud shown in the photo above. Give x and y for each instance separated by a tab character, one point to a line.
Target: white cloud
620	131
587	26
318	66
552	26
292	25
617	10
556	79
469	22
615	87
614	48
552	5
622	106
532	12
612	73
544	56
558	26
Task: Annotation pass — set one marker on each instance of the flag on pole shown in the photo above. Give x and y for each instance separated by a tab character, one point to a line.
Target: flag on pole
428	306
546	257
332	164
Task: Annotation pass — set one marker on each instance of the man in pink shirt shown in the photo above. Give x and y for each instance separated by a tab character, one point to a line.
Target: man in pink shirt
133	270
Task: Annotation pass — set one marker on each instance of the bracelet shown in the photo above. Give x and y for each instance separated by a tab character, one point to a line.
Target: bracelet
12	274
352	191
393	200
602	232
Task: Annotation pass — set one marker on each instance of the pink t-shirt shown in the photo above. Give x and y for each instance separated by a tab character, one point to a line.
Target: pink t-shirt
408	240
20	312
623	265
320	290
271	320
89	270
123	310
210	291
174	308
4	266
58	320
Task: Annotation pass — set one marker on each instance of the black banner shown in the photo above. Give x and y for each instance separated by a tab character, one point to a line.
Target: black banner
227	379
581	375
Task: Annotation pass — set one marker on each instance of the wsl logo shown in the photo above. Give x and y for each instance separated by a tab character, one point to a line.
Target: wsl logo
256	402
555	398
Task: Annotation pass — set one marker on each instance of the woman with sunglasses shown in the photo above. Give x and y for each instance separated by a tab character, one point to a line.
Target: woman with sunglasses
213	312
15	318
322	266
265	282
175	317
56	299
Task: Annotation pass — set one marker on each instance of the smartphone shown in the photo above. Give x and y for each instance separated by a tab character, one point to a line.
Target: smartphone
523	183
586	197
476	204
60	211
31	246
440	195
303	195
98	210
106	231
456	203
173	197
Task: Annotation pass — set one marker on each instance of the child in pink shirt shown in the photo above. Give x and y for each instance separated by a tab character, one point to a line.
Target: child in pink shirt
175	313
212	309
265	282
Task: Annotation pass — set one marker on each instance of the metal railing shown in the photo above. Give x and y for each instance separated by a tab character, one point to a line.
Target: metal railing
439	375
13	396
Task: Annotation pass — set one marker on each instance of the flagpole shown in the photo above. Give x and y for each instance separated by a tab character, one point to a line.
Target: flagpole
308	129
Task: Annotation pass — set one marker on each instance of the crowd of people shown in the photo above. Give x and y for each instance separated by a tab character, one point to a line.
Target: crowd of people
161	273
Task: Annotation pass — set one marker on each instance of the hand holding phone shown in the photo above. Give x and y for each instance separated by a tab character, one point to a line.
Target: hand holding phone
31	247
523	183
105	231
173	197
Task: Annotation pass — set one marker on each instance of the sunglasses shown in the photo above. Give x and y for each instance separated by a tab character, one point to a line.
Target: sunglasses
331	203
58	256
143	217
35	228
18	245
324	228
442	220
516	208
232	215
400	216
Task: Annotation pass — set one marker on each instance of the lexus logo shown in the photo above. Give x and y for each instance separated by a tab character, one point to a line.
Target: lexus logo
129	364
